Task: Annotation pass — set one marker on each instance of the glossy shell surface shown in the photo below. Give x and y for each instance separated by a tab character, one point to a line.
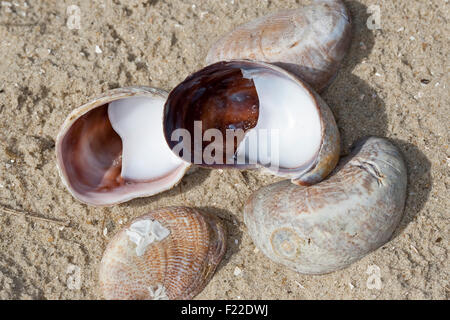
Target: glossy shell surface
309	41
220	97
174	257
89	154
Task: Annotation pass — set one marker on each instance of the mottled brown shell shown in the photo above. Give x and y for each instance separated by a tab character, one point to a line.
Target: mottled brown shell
328	226
310	41
89	152
176	267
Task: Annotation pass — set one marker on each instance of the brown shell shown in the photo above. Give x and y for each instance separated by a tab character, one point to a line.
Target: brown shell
221	98
310	41
182	263
88	154
328	226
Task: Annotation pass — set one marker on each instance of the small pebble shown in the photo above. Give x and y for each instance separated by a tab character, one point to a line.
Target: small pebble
237	271
98	50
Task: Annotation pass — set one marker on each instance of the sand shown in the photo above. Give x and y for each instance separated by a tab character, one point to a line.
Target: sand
393	83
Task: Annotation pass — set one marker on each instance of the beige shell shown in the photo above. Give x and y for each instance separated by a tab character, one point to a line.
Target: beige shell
183	250
89	154
310	41
231	101
328	226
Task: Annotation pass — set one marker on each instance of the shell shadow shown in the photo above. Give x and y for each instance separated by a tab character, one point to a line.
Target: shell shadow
419	183
233	232
358	109
188	182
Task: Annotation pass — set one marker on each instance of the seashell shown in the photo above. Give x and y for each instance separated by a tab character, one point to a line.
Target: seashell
310	42
328	226
282	126
112	149
169	253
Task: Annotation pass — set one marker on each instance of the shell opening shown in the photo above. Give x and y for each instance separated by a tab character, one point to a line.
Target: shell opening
279	116
145	154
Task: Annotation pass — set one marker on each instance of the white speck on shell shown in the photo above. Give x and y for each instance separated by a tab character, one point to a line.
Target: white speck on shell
145	232
158	293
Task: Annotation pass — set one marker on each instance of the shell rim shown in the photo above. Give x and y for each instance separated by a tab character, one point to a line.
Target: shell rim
106	97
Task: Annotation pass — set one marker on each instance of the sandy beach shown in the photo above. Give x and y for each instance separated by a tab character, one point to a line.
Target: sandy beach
393	83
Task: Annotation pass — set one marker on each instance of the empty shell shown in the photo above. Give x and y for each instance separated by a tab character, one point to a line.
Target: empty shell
310	41
328	226
279	123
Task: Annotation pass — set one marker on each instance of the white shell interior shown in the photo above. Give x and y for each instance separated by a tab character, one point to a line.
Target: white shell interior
288	134
138	122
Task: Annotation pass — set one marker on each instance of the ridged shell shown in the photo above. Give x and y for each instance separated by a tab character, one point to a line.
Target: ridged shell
75	172
310	41
328	226
182	109
176	267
